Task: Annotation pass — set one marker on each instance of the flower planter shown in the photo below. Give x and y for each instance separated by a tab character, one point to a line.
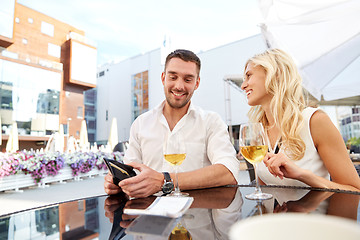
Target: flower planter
38	164
63	175
20	180
15	182
93	172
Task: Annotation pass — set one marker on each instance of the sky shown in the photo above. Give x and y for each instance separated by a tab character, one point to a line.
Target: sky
123	29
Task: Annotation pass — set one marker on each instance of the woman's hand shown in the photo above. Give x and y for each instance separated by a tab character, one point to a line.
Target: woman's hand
281	166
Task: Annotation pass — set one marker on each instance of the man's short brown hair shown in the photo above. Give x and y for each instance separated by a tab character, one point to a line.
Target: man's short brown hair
185	55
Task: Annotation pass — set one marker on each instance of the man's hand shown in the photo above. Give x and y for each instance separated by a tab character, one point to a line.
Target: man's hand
109	186
111	204
114	204
140	203
146	183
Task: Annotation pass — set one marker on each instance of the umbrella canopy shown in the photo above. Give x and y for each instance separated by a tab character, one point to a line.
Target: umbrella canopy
0	132
83	143
323	37
60	140
113	136
9	142
13	141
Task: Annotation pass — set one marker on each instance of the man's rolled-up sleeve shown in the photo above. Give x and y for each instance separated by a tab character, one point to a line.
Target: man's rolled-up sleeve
220	150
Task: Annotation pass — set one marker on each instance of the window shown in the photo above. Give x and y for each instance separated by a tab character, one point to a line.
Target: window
17	20
90	111
24	41
47	29
140	94
92	124
102	73
6	92
91	137
348	120
30	20
29	95
54	50
80	112
48	102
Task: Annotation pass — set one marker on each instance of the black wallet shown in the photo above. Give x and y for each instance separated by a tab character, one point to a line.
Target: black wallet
119	170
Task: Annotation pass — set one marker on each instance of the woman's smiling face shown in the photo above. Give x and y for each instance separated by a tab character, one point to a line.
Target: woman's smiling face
254	85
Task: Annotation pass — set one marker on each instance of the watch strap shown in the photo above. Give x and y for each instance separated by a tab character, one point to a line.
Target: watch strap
167	177
168	184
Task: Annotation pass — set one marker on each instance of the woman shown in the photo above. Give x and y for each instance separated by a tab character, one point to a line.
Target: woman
305	147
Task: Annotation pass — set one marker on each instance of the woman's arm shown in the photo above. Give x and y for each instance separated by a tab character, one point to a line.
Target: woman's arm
332	150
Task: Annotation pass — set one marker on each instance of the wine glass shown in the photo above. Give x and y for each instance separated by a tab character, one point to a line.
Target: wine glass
174	154
253	148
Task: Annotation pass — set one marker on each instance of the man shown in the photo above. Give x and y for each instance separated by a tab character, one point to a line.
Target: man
210	157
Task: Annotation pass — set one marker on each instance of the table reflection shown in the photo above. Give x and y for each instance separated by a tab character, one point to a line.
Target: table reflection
71	220
341	204
210	216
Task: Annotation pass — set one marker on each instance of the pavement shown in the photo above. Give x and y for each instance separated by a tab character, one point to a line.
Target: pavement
54	193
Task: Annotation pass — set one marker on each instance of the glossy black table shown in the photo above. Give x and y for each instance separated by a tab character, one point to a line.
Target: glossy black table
210	217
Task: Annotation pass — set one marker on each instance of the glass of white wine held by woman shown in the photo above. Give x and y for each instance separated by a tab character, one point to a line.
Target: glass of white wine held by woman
253	148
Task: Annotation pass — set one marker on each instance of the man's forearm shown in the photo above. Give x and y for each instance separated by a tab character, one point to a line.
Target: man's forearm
211	176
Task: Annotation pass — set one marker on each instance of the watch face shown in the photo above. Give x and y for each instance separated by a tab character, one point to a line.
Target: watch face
167	187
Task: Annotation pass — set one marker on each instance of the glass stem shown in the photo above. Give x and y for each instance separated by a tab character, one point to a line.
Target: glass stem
177	189
257	187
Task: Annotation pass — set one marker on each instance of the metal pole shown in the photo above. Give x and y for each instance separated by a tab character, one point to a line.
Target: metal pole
228	109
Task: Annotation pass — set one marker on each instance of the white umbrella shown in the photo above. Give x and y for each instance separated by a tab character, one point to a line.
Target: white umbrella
9	142
84	142
113	137
13	141
323	37
0	132
61	138
58	140
15	137
51	143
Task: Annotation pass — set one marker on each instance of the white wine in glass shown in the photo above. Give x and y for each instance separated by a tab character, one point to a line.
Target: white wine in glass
254	154
175	159
253	148
174	154
180	233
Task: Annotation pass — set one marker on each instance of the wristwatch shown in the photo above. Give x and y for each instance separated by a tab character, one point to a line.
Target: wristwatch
168	185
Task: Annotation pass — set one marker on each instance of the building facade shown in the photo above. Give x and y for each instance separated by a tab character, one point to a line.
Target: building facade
45	66
133	86
350	124
90	113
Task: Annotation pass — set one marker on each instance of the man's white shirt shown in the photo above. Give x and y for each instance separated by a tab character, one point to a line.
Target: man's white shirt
204	133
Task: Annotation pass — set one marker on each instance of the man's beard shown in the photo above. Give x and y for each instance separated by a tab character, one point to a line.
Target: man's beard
176	104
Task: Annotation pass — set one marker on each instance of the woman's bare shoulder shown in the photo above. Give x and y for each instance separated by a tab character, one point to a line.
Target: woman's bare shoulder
321	127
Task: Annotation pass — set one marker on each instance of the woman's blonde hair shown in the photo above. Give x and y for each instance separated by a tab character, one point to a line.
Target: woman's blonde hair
283	83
